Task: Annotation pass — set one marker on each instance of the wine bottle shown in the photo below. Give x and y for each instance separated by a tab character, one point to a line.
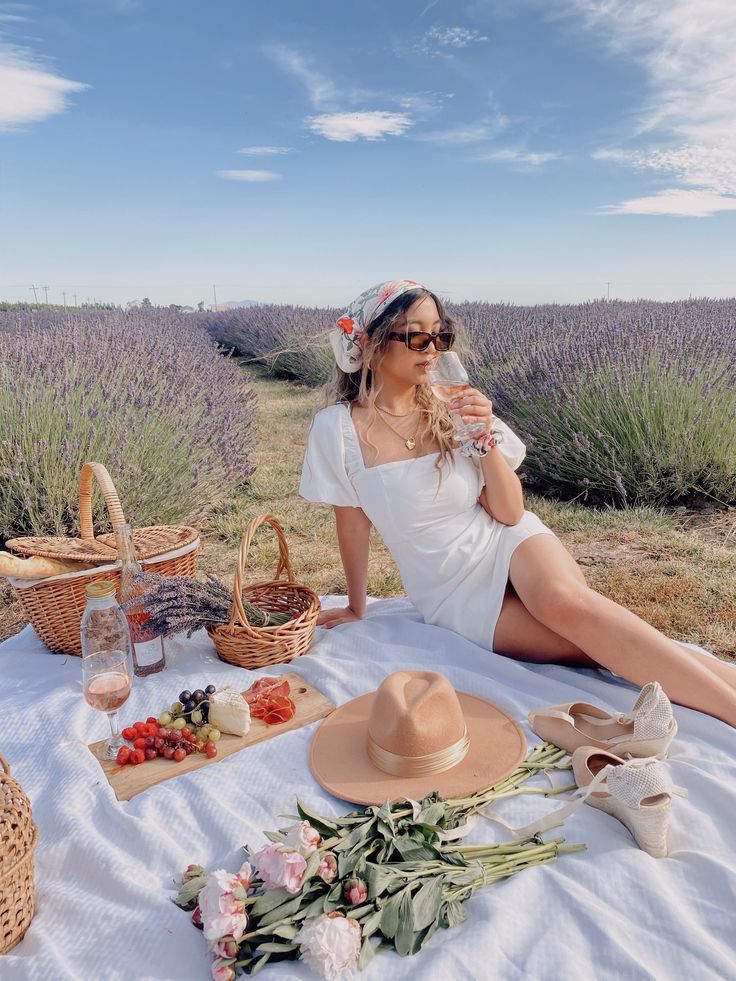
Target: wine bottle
149	655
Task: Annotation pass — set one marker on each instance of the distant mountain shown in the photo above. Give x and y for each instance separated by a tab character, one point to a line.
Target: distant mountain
237	303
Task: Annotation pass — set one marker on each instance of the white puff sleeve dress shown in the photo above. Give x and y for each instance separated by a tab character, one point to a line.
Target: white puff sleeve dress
453	557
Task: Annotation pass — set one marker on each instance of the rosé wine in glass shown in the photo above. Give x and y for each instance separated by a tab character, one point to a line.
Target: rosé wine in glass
449	379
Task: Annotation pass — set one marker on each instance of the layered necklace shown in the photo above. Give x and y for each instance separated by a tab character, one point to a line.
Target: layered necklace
410	442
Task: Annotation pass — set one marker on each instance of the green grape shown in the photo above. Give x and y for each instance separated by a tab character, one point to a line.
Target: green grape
196	717
178	723
176	707
164	718
215	735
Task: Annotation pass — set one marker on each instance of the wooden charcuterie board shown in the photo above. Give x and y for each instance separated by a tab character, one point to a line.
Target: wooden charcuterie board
127	781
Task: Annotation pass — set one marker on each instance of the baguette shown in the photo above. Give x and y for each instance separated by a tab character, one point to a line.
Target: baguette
38	567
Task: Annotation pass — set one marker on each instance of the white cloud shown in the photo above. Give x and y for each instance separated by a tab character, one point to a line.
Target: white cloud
675	201
320	89
264	151
521	157
439	39
346	127
423	103
30	91
466	133
248	175
687	126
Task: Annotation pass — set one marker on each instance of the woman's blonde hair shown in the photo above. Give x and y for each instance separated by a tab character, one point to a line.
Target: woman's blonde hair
435	423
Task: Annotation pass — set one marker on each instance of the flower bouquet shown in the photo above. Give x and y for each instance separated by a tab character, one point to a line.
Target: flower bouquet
178	603
333	890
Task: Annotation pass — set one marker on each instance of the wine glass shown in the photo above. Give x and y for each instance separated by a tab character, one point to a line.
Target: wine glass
448	379
107	678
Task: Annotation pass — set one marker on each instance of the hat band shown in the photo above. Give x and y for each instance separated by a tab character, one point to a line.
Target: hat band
415	766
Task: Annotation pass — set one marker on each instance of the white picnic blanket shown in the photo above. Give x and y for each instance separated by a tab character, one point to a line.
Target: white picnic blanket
104	868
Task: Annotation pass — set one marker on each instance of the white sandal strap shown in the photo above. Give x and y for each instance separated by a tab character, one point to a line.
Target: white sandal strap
632	782
556	817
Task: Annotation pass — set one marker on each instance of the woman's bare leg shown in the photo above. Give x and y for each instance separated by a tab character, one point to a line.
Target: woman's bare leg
613	636
520	636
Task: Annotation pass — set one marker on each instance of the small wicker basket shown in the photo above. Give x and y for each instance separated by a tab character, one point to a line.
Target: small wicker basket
18	839
54	606
237	642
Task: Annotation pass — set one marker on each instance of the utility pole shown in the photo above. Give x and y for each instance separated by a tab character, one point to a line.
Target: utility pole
608	291
214	293
64	297
35	298
75	299
46	291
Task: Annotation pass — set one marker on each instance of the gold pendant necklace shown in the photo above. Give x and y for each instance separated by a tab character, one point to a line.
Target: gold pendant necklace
409	443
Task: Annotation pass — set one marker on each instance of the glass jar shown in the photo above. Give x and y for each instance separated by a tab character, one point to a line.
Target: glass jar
149	655
104	626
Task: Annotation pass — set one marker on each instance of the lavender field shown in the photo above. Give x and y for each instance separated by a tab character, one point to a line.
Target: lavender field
619	403
147	393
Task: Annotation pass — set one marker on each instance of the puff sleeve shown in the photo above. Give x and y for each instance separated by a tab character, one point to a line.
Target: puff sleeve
511	447
324	478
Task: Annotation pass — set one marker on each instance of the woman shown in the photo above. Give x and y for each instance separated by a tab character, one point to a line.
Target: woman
471	557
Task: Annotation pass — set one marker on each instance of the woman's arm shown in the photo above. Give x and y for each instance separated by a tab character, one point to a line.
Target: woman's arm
353	534
502	496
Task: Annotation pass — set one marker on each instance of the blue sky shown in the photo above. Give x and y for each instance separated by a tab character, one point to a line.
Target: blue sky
521	151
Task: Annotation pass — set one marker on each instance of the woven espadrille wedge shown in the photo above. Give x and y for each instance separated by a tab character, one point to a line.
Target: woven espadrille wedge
636	792
648	731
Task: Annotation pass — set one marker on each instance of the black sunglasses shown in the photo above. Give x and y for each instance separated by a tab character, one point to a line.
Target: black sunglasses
419	340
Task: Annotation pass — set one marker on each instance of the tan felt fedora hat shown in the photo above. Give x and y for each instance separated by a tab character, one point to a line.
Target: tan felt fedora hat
413	735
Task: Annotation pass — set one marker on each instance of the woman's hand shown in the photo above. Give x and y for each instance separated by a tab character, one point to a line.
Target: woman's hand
337	615
474	407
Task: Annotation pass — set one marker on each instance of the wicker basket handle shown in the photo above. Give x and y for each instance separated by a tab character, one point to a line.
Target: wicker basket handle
112	501
4	764
238	611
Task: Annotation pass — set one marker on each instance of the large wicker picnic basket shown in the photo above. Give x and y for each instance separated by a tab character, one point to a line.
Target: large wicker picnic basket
239	643
54	606
18	840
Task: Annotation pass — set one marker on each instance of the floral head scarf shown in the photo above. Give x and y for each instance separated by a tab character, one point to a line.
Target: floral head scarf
345	336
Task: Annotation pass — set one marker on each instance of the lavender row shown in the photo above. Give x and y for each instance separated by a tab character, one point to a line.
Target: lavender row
147	393
290	341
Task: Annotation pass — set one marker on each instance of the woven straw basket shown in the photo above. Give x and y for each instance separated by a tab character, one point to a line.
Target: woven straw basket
255	647
55	605
18	839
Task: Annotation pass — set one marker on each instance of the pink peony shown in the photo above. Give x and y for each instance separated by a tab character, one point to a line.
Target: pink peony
222	972
330	944
280	868
302	838
222	905
226	949
355	891
327	869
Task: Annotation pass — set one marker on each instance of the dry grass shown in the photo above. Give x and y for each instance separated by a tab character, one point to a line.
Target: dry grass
675	569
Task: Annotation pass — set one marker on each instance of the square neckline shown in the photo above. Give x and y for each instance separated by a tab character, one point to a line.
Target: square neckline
390	463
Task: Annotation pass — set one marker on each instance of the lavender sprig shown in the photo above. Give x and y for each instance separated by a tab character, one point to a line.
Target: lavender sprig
176	604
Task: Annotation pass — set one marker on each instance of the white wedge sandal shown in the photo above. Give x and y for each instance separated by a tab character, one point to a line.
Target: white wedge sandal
636	792
648	731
